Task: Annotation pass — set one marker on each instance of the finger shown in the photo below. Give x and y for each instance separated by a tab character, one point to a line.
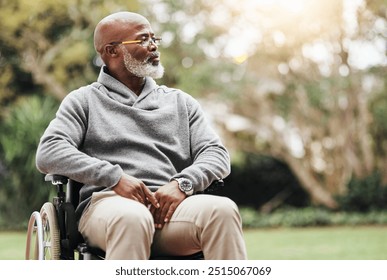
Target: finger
151	197
139	198
152	210
169	214
156	217
155	214
162	214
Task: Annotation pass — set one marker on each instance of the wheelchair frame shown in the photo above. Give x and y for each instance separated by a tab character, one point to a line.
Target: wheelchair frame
54	228
53	234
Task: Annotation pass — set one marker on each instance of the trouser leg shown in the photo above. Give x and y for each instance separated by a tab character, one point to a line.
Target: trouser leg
122	227
207	223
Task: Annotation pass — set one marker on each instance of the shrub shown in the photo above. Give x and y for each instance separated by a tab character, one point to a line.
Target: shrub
22	189
257	179
365	194
310	217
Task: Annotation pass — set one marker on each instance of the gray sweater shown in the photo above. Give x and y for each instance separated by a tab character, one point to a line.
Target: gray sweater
104	129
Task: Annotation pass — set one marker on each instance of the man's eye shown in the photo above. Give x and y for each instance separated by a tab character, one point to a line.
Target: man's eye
156	40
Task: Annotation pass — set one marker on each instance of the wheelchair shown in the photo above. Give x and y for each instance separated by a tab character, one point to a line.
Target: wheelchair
52	233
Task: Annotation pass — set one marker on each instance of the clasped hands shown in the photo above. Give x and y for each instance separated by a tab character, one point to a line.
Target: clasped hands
162	204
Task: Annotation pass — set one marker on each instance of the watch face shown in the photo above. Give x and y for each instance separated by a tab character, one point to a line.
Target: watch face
185	186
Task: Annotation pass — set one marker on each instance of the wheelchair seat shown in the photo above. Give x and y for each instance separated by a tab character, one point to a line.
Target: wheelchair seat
54	229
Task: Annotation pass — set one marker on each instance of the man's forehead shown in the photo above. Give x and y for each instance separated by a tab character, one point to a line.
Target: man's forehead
122	30
142	30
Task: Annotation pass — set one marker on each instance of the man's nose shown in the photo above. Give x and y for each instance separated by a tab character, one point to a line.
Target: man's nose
152	46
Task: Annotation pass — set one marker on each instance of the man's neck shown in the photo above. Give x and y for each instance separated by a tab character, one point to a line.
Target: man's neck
134	83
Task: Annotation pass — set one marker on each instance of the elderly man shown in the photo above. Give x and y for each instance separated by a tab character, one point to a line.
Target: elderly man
141	151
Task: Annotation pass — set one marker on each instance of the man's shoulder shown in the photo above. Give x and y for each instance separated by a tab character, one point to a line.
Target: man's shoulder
181	98
78	97
79	93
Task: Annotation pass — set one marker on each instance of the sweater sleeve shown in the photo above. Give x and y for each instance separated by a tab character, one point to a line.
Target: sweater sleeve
59	150
211	160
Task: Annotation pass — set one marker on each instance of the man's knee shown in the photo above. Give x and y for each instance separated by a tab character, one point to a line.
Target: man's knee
216	209
224	208
136	220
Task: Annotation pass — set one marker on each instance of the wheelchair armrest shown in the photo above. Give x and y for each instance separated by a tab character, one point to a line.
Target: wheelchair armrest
56	179
63	180
215	186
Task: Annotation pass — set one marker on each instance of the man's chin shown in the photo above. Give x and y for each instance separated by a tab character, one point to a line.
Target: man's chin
158	72
147	70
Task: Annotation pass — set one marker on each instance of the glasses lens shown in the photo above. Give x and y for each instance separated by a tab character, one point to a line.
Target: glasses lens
147	42
156	41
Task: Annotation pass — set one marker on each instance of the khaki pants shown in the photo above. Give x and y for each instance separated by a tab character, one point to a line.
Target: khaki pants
124	228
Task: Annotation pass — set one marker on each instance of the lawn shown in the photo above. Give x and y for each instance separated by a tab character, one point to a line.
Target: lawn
329	243
12	245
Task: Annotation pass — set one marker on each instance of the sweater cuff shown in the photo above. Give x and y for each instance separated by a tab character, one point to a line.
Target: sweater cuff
114	177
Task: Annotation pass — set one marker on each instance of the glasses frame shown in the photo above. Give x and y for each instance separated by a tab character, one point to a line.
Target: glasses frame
144	43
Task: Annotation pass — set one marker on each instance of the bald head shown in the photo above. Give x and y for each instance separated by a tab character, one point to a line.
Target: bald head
112	28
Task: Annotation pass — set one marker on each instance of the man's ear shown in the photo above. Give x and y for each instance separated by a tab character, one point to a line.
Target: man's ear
111	50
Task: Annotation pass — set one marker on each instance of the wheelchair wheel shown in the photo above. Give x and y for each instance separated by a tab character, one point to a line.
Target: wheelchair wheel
34	244
51	235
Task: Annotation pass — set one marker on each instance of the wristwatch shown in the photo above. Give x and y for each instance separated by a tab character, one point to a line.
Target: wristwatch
185	186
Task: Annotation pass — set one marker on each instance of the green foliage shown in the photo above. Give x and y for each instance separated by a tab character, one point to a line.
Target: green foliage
255	180
49	44
192	58
365	194
309	217
22	189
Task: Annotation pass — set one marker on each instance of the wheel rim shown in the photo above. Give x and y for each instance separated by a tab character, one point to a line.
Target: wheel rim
51	236
34	244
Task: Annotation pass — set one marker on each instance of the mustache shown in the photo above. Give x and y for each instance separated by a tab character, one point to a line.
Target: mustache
153	55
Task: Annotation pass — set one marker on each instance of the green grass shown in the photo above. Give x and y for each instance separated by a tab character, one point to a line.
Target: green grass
327	243
324	243
12	245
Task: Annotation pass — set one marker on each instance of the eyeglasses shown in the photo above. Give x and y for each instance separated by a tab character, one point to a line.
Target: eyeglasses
143	43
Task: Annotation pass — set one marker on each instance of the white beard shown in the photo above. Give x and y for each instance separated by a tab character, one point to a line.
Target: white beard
142	68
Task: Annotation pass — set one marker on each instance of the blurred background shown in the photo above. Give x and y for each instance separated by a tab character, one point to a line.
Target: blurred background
296	88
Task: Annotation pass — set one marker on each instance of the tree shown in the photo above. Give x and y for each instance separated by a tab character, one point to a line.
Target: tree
294	82
47	45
